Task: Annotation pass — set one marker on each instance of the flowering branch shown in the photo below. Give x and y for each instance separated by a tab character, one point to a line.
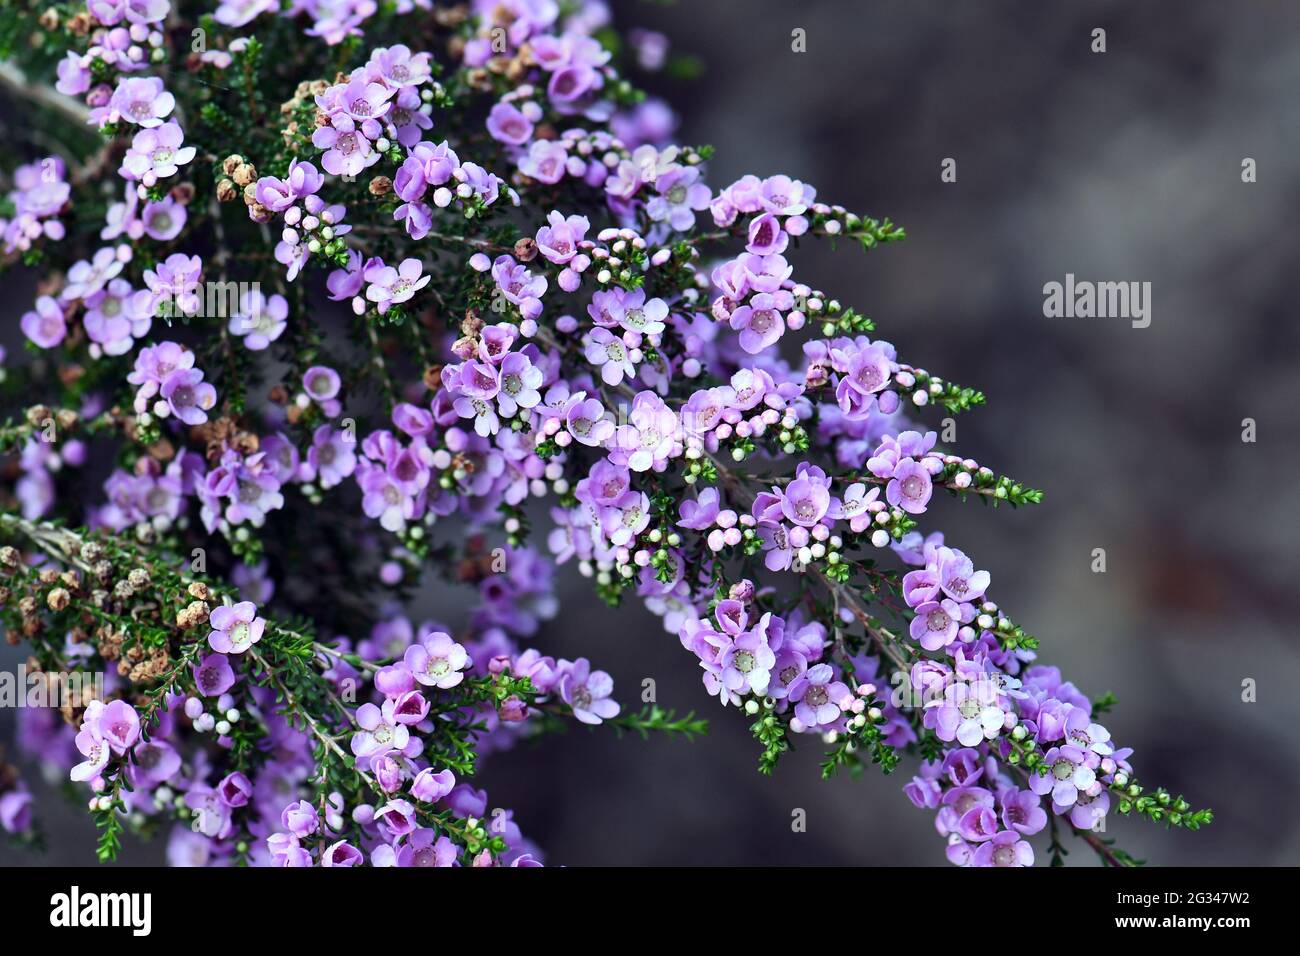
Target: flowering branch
366	308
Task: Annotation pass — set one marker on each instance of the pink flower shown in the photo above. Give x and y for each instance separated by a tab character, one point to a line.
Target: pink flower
587	692
235	628
438	661
389	286
142	100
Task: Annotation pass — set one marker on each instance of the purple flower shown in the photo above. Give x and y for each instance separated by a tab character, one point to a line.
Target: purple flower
332	456
936	623
156	153
607	351
388	286
1090	807
519	286
117	723
1021	812
817	697
399	67
15	810
384	500
520	381
587	423
422	849
438	661
760	323
959	579
1004	849
680	196
1088	736
260	321
342	853
379	732
807	499
587	691
347	150
211	815
1068	774
114	317
747	664
775	537
909	487
785	196
142	100
96	751
558	241
45	325
647	441
322	384
236	628
187	396
363	100
854	507
175	281
507	124
431	786
300	819
545	161
163	221
238	13
213	675
74	76
968	713
766	237
85	278
637	314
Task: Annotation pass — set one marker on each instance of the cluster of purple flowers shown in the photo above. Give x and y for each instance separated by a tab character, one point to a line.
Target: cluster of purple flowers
40	193
125	37
605	360
433	173
106	729
166	377
379	103
309	220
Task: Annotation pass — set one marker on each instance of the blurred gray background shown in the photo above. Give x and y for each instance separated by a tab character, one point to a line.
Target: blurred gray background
1117	166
